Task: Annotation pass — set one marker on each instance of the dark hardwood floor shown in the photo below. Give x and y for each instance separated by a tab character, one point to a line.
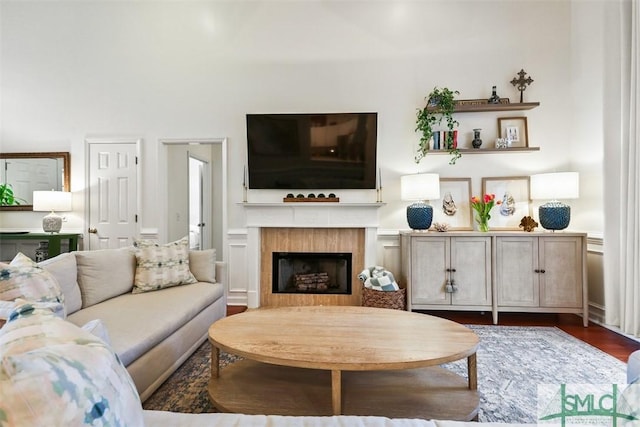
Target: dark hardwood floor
610	342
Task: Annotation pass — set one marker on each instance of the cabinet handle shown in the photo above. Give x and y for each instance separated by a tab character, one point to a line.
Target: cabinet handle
543	271
453	270
536	270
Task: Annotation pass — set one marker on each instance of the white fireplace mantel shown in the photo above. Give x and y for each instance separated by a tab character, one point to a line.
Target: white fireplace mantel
305	215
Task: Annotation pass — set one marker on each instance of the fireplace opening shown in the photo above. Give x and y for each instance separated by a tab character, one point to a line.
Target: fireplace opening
312	272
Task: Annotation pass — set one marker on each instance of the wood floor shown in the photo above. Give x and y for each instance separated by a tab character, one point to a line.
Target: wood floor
606	340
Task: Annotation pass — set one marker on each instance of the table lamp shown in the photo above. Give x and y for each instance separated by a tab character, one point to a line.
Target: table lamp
555	215
420	188
51	201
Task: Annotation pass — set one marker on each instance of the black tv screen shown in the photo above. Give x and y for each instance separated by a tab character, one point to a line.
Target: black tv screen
312	151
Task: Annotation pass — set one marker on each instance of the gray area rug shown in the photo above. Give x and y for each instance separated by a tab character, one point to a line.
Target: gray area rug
512	362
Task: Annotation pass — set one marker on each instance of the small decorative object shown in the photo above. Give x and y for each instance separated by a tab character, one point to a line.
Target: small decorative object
555	215
300	196
483	209
332	196
42	251
477	142
495	99
311	196
441	226
501	143
521	83
528	224
420	188
289	196
321	196
440	105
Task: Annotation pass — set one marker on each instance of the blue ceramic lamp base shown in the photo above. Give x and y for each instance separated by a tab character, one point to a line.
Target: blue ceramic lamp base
554	215
419	216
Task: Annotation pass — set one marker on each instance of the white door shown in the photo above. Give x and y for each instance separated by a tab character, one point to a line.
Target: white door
112	196
199	204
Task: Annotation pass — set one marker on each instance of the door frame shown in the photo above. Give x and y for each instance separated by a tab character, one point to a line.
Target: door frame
87	190
162	160
206	201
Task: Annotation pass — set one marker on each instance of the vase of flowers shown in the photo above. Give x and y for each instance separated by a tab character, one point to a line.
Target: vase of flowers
483	209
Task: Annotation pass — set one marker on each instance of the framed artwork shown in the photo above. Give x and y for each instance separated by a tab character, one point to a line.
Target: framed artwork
454	205
513	194
514	130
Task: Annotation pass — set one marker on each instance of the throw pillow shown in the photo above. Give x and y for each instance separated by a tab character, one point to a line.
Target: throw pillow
203	265
53	373
161	266
105	274
64	268
97	328
22	278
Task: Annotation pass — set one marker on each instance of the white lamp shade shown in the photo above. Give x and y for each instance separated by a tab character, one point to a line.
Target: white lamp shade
421	186
555	186
50	201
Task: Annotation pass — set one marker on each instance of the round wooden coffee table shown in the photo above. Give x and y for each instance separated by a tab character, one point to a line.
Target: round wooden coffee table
324	360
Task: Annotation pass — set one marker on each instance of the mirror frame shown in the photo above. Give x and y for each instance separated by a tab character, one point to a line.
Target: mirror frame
55	154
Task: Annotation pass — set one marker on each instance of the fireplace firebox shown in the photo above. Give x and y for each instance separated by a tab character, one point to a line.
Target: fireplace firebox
312	272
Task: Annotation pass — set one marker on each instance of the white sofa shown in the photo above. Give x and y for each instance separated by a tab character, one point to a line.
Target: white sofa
152	333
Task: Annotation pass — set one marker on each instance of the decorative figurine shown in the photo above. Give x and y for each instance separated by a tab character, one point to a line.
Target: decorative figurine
521	83
477	142
528	224
495	99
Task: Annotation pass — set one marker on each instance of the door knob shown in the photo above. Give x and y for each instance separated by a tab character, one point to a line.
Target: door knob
93	230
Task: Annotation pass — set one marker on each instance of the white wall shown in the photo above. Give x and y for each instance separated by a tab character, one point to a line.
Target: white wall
159	70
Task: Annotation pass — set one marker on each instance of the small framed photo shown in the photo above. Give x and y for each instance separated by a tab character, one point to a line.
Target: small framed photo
514	130
454	205
513	194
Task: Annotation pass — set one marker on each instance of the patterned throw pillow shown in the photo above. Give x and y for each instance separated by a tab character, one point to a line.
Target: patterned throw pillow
161	266
52	373
24	279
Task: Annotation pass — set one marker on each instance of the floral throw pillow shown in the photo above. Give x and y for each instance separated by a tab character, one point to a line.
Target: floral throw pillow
22	278
161	266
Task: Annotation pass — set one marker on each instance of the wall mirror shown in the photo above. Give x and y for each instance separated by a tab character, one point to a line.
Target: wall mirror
28	172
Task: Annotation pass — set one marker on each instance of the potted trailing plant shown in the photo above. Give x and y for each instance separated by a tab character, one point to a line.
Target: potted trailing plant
440	105
7	198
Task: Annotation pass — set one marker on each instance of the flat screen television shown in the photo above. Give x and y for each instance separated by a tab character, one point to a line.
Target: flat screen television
312	151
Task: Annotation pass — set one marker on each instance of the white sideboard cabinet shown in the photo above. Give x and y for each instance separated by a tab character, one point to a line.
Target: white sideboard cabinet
498	271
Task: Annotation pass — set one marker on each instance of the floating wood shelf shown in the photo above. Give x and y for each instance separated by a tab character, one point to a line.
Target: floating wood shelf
477	108
488	150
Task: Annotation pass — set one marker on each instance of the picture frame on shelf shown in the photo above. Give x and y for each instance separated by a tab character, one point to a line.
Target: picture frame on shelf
515	130
515	202
454	205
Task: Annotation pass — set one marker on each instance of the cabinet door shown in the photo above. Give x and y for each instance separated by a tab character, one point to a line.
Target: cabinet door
561	282
471	259
429	259
516	280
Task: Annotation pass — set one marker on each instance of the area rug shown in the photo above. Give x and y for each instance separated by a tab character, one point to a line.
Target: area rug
512	362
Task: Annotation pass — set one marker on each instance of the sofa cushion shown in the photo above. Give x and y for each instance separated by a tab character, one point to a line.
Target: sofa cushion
161	266
64	268
138	322
53	373
22	278
104	274
203	265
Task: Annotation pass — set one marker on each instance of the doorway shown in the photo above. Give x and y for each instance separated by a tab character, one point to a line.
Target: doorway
196	192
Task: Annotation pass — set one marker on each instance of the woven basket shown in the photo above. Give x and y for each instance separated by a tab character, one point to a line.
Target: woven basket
384	299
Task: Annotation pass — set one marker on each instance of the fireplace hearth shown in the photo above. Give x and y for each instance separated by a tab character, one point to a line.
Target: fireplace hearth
312	272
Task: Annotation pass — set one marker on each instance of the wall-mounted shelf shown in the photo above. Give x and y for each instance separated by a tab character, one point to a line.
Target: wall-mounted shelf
477	108
488	150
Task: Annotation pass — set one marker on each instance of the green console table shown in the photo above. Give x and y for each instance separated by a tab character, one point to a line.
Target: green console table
54	240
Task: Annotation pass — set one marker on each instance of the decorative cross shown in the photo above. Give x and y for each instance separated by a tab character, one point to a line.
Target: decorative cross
521	83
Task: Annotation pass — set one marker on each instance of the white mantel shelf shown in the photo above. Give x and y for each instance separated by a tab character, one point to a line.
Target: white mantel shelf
312	214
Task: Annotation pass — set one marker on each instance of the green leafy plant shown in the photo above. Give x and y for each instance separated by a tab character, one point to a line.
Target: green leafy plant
440	105
7	198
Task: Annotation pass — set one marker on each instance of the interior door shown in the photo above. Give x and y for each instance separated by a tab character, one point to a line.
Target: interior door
199	204
112	194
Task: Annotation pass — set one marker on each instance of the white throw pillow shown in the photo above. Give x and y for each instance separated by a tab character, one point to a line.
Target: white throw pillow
105	274
161	266
65	269
203	265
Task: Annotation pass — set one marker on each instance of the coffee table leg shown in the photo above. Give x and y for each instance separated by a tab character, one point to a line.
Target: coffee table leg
472	371
215	361
336	392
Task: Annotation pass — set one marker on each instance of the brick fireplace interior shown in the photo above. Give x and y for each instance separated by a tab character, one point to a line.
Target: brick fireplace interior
310	240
